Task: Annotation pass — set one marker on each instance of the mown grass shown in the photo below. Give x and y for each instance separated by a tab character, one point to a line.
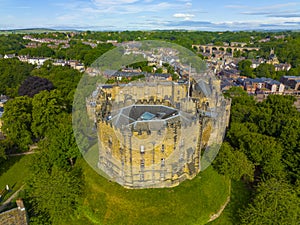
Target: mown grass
240	196
13	172
192	202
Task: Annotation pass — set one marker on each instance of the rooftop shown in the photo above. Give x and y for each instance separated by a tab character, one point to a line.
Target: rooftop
144	115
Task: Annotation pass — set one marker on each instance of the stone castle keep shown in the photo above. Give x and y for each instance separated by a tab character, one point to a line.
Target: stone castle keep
151	134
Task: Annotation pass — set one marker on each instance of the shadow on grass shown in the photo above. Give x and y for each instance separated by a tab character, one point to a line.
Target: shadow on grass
8	163
189	203
13	173
239	199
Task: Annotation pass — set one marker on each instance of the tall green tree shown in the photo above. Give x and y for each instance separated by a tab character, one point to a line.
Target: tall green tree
276	203
234	163
17	121
54	194
12	74
60	142
45	108
55	186
266	70
245	69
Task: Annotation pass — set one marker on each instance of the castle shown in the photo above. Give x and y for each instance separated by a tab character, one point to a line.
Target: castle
152	133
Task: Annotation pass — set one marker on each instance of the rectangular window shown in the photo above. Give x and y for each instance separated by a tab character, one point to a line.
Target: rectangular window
142	149
142	177
142	163
162	162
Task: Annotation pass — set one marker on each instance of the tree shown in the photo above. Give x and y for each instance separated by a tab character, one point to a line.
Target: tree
5	147
60	142
246	70
12	74
263	151
2	152
242	104
33	85
266	70
42	51
276	202
234	163
55	185
54	194
17	121
64	79
45	108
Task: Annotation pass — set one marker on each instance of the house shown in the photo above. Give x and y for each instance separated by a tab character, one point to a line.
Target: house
33	45
17	216
257	62
229	73
59	62
262	85
162	76
109	73
227	83
267	39
291	81
9	56
274	86
283	67
251	85
37	61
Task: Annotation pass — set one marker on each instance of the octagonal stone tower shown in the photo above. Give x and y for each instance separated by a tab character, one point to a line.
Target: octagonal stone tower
151	133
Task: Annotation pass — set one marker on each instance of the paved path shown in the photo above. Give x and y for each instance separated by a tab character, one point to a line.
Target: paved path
24	153
218	214
31	151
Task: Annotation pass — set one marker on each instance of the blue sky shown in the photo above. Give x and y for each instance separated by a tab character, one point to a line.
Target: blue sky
214	15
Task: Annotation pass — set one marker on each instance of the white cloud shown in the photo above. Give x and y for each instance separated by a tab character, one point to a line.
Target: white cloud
235	6
278	6
188	4
185	16
116	2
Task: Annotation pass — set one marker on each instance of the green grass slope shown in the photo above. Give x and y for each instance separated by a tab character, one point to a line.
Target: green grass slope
192	202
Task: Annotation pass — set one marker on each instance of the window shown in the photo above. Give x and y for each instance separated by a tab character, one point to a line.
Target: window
162	162
110	142
142	149
142	163
142	177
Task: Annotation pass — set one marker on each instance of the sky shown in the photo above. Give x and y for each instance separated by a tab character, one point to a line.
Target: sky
210	15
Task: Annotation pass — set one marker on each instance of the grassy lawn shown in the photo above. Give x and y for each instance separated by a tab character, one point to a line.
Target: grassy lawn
13	172
239	198
192	202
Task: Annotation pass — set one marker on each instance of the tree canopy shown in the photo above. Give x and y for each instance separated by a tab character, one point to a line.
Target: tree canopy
12	74
33	85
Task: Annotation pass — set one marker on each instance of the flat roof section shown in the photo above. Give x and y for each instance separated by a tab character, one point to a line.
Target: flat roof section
147	116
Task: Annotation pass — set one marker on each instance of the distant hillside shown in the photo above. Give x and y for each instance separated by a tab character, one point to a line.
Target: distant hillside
30	30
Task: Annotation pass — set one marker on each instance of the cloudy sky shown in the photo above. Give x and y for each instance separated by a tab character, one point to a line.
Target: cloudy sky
213	15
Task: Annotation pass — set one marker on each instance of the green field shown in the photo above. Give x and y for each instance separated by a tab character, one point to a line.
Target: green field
31	31
239	198
14	172
192	202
